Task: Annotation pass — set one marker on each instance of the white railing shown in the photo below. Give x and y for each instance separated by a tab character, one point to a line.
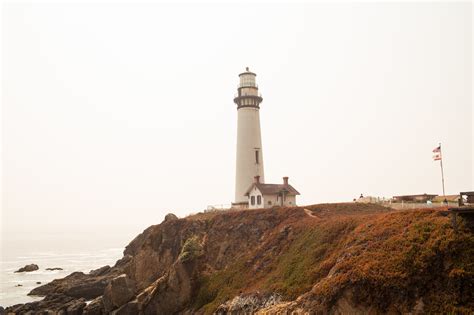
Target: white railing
404	205
241	85
220	207
414	205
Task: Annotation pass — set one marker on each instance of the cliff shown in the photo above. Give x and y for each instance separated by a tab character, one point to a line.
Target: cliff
328	258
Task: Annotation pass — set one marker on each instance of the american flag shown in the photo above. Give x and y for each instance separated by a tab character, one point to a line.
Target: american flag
437	153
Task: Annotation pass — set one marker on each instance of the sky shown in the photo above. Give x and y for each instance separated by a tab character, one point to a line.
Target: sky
115	114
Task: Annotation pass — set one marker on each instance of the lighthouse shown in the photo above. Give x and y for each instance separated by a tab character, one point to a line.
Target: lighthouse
251	191
249	162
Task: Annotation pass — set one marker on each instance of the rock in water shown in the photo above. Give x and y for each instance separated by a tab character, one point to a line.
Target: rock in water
78	285
28	268
55	268
53	304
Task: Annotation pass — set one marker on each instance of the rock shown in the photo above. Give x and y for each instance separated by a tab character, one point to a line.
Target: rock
75	307
118	292
28	268
55	268
52	304
419	307
123	261
99	271
170	217
88	290
96	307
38	282
19	285
248	303
345	305
136	244
171	292
130	308
80	285
2	310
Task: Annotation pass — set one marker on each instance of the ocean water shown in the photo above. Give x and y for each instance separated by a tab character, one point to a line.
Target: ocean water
83	261
72	251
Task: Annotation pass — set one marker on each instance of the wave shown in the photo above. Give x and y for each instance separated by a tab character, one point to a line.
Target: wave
81	260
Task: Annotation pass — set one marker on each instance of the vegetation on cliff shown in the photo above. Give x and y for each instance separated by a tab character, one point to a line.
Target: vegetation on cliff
346	258
387	260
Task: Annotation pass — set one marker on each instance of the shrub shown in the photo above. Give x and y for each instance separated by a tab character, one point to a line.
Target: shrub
191	250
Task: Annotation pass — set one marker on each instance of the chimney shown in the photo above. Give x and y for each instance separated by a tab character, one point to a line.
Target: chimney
285	181
257	179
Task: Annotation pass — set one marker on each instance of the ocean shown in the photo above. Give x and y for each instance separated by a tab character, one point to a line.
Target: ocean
83	251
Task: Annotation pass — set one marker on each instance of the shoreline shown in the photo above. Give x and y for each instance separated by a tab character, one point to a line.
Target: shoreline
12	294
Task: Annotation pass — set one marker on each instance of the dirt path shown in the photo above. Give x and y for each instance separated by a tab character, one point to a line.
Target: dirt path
311	214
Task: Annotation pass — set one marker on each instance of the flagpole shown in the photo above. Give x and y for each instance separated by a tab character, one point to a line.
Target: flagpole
442	173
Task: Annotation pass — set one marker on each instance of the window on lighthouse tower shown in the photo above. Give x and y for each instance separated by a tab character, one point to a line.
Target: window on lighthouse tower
256	157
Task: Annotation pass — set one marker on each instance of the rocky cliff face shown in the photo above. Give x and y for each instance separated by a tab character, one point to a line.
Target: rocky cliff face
333	258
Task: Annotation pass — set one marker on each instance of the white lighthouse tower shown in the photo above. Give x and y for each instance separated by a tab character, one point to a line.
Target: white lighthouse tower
249	141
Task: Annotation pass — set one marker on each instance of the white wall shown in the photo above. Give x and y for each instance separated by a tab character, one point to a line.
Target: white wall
255	193
290	201
248	138
274	199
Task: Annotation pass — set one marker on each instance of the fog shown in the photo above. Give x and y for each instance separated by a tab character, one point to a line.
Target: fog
116	114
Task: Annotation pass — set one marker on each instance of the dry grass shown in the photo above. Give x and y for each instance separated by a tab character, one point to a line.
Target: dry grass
382	255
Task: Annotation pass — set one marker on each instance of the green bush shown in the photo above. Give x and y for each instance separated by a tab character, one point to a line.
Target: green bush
191	250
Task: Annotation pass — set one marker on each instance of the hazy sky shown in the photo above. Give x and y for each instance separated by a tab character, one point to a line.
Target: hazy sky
120	113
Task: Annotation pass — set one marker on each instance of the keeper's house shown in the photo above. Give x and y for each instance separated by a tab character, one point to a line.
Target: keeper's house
262	195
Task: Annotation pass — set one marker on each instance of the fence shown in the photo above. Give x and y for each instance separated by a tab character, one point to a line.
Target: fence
212	208
413	205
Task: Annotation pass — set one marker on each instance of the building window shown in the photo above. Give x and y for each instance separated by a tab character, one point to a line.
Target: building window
269	202
259	200
252	200
256	157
